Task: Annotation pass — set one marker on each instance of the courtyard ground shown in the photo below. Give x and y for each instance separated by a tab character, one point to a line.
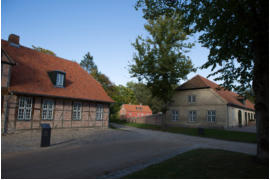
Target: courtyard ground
98	153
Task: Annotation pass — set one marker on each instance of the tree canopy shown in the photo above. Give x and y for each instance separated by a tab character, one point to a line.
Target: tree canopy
160	60
88	64
226	29
46	51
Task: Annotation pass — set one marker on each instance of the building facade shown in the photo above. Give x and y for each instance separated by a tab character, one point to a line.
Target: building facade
129	111
202	103
41	88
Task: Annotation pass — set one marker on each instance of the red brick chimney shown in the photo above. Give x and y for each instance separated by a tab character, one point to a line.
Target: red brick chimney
14	39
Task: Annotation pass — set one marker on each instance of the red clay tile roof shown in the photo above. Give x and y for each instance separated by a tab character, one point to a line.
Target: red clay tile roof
5	58
198	82
30	76
132	108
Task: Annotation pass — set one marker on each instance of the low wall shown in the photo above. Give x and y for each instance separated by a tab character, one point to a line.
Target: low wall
154	119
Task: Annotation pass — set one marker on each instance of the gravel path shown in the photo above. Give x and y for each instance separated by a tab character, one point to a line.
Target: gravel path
98	153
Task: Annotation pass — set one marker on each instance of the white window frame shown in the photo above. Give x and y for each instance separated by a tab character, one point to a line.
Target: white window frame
211	116
99	112
47	109
25	108
60	79
175	115
192	116
77	111
191	98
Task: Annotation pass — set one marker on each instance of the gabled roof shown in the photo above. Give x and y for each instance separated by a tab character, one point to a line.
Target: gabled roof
30	76
137	108
199	82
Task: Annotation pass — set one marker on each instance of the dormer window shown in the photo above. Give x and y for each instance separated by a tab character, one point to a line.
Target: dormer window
138	108
57	78
60	79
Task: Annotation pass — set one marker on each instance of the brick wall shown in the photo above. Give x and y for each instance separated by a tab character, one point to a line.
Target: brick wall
5	73
154	119
62	114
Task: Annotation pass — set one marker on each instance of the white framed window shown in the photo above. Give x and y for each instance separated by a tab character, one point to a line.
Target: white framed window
99	112
192	116
211	116
175	115
77	111
192	99
47	109
25	108
60	79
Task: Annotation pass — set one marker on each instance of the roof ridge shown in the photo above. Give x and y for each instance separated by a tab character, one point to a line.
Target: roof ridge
28	48
203	80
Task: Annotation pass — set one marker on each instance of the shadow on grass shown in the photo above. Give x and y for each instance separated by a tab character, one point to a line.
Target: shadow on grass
203	164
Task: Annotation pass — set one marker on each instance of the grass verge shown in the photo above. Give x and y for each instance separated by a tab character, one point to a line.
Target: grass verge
203	164
209	133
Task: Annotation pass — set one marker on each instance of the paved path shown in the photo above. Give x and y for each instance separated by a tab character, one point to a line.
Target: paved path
104	153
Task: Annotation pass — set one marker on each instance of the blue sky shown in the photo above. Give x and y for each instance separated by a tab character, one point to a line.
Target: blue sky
71	28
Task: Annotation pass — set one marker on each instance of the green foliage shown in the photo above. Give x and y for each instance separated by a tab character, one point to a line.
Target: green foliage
205	164
228	28
88	64
160	59
249	94
46	51
120	94
144	96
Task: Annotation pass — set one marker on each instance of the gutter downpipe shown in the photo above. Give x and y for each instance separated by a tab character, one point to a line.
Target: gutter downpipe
6	113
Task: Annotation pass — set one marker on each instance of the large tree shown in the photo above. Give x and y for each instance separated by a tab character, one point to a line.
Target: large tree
46	51
237	34
160	59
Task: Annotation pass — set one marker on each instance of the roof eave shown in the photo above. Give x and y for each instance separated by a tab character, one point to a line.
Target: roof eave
235	105
63	97
184	89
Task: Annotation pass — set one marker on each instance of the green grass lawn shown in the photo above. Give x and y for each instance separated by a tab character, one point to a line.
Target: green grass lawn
209	133
205	163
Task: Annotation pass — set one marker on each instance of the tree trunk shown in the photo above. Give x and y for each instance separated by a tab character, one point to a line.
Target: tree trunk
261	88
